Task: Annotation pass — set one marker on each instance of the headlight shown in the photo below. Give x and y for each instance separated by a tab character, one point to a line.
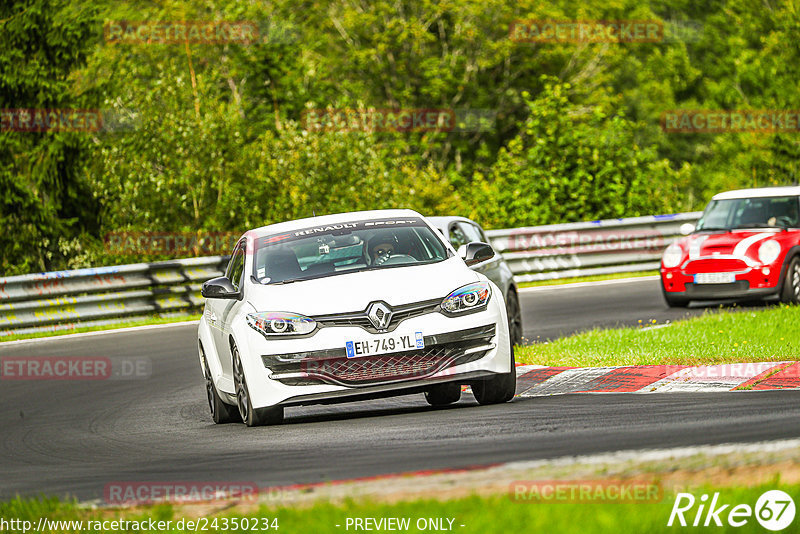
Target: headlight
471	297
272	324
769	251
672	256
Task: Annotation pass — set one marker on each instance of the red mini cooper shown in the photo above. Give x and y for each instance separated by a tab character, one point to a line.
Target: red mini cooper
746	245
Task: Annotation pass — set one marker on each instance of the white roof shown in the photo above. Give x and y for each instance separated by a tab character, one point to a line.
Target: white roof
323	220
759	192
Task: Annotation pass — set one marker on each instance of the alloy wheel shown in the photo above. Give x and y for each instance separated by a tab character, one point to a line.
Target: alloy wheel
796	281
242	397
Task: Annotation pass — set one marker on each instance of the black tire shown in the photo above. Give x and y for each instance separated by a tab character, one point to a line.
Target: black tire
498	389
790	293
221	412
673	302
272	415
443	394
514	317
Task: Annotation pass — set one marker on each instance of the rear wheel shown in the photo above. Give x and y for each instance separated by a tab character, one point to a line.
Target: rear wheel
443	394
221	412
790	293
272	415
514	317
500	388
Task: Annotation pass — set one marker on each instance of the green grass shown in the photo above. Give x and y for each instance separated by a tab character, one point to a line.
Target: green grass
715	337
592	278
496	513
123	324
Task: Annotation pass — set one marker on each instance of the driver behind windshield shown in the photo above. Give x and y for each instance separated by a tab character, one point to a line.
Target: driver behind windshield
381	248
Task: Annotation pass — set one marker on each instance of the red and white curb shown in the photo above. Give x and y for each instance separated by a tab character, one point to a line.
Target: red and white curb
538	380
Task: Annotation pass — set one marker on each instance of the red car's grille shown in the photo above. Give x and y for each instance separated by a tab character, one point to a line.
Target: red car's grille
715	265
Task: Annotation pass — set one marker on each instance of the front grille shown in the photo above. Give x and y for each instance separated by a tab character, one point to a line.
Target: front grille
715	265
360	318
440	352
717	290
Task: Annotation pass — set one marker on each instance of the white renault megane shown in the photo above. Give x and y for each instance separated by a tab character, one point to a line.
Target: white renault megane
350	307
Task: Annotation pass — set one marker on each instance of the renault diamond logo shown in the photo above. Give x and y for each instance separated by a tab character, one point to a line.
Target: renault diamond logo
379	315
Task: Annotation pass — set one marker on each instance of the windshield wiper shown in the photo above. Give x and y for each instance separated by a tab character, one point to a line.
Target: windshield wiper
713	229
287	281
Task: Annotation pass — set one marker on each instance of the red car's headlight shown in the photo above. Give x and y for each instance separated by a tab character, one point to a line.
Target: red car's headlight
672	256
769	251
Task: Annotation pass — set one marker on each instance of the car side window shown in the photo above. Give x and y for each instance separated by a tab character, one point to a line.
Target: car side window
457	236
236	267
470	232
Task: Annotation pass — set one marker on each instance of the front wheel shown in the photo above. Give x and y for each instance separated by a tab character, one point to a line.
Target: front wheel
514	317
790	294
271	415
443	394
498	389
672	301
221	412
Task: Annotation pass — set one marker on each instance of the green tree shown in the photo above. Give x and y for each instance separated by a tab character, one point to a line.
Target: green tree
45	199
570	163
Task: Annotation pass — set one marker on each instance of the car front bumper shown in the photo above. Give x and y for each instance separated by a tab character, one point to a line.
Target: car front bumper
750	281
316	369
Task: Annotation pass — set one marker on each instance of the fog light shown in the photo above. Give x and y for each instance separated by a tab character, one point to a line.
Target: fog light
765	270
669	276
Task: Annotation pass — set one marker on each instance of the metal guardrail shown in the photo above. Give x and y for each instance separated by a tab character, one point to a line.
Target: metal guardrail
61	300
586	248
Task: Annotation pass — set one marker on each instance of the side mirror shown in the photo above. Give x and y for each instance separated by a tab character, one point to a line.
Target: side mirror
686	228
219	288
475	253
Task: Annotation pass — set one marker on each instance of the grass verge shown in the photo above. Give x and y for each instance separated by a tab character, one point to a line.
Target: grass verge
480	514
718	336
592	278
124	324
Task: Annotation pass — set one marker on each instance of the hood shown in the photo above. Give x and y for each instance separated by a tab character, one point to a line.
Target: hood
354	291
734	243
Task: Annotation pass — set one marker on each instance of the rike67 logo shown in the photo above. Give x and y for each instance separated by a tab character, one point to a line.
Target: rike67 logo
774	510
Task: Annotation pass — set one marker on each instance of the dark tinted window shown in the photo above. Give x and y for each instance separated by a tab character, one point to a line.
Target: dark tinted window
763	212
346	247
236	267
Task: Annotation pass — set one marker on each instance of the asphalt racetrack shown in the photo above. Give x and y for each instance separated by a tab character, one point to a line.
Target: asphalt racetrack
75	437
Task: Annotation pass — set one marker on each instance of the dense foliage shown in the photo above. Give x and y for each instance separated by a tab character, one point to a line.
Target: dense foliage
215	139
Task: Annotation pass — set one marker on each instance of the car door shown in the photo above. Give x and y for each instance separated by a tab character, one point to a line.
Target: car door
223	311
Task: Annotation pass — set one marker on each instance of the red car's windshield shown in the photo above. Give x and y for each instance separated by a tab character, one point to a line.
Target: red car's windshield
760	212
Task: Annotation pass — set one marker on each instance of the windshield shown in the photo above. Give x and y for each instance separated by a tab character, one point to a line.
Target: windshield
322	251
765	212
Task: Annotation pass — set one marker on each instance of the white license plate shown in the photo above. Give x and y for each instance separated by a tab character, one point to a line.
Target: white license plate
714	278
384	344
